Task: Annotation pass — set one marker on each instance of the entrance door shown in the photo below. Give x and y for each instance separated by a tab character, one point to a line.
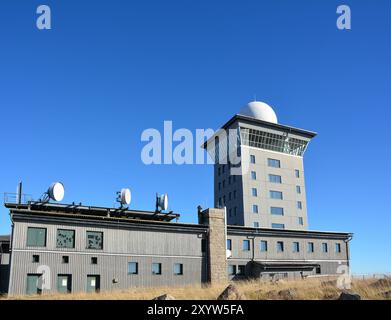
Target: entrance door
93	283
34	283
64	283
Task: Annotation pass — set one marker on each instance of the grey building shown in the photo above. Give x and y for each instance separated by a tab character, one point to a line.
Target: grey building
267	189
259	228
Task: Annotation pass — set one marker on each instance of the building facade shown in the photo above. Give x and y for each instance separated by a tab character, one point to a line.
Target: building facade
259	228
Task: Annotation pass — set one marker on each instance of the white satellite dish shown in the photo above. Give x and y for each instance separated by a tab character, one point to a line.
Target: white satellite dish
228	253
56	191
162	202
125	196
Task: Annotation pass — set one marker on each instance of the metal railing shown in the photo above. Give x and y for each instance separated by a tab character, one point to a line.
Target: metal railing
13	198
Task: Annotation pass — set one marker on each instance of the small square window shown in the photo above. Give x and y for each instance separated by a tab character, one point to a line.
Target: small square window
246	245
132	267
35	258
178	269
256	224
94	260
231	269
156	268
241	270
263	245
65	259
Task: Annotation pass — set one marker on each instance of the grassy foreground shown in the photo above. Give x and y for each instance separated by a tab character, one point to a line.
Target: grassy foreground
306	289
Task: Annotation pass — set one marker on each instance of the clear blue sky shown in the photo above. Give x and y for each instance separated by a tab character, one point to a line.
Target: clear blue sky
74	100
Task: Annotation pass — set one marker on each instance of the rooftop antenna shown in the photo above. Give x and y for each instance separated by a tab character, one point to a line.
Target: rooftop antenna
124	197
161	202
55	192
19	193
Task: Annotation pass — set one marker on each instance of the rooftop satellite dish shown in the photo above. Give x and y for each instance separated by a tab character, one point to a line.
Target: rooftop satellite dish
124	197
162	202
56	191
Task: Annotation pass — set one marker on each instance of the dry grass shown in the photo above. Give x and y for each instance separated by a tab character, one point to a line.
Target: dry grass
307	289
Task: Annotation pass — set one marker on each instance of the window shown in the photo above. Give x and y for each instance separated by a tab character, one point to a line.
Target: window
255	208
224	202
241	270
229	244
223	184
178	269
325	248
338	248
94	260
203	245
274	163
219	171
219	186
253	175
231	269
65	238
310	247
65	259
230	213
156	268
234	211
297	173
280	246
220	202
263	245
94	240
132	267
36	237
230	196
299	205
33	284
246	245
278	226
229	179
278	211
300	221
254	192
276	195
252	158
223	168
318	270
275	178
256	224
296	247
35	258
234	193
298	189
64	283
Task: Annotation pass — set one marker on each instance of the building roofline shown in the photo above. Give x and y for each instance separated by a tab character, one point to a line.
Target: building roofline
94	211
286	233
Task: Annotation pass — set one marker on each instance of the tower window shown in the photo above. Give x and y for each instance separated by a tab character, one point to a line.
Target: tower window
273	163
278	211
252	158
299	205
276	194
253	175
297	173
278	226
255	208
275	178
298	189
254	192
300	221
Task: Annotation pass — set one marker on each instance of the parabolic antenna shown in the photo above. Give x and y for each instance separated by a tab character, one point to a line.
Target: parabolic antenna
56	191
163	202
125	196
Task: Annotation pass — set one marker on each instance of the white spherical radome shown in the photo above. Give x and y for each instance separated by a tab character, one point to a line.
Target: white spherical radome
259	110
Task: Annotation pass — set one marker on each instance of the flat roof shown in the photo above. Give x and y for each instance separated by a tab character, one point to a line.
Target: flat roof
78	209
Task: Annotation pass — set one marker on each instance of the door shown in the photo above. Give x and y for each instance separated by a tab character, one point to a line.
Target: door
93	283
34	283
64	283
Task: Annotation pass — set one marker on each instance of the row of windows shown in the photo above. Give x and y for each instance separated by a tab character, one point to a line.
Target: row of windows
64	259
277	210
263	246
156	268
36	237
239	270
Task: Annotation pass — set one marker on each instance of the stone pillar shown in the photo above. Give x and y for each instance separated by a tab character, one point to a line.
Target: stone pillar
216	245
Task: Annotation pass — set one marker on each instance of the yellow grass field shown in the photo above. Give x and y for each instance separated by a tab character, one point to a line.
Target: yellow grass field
306	289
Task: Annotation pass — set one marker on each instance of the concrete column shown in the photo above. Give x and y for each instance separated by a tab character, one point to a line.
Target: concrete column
217	263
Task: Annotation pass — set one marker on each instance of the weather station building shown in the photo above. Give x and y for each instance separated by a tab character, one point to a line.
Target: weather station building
258	228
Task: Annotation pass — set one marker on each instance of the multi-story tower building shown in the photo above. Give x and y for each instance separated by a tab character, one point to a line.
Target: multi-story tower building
268	188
